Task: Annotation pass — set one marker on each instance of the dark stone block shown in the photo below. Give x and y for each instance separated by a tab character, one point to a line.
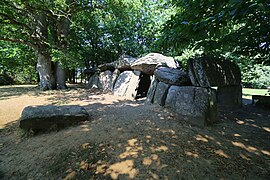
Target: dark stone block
48	117
229	96
210	72
161	93
195	105
172	76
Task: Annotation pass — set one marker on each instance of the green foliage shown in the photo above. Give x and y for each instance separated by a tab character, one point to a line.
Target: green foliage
130	27
86	33
237	26
256	76
18	61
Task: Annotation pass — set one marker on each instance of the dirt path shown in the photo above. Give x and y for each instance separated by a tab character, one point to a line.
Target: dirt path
127	139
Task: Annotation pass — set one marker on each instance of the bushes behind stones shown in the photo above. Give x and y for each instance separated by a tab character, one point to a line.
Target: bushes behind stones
5	79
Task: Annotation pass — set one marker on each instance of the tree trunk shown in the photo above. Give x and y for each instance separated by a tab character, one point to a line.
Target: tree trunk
60	75
44	68
44	65
73	76
62	32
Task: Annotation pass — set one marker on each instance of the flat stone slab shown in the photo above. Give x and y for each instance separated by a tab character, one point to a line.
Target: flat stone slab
148	63
50	117
261	100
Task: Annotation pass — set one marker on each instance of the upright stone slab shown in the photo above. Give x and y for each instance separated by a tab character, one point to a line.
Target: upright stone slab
133	84
161	93
196	105
94	82
48	117
148	63
211	72
151	91
127	83
106	81
172	76
115	75
229	96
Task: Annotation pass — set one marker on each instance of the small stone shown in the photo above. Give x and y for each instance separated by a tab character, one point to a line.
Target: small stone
70	176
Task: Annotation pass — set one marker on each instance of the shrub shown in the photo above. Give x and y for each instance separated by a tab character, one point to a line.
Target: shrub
256	76
5	79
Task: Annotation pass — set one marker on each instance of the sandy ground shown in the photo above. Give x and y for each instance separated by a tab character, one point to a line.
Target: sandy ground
126	139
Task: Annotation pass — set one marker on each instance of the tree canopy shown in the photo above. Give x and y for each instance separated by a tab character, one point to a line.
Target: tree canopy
217	27
54	35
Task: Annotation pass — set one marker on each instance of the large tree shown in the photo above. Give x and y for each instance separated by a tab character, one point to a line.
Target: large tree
43	25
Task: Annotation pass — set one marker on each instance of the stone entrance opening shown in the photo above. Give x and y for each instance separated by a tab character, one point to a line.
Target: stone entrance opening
144	84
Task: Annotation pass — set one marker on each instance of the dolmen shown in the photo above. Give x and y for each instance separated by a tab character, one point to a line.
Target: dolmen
194	95
225	75
129	76
51	117
191	94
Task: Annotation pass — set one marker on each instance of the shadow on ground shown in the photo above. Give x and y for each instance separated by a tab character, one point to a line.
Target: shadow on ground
128	139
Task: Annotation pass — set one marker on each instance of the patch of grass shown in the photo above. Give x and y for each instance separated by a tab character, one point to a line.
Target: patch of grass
250	92
24	133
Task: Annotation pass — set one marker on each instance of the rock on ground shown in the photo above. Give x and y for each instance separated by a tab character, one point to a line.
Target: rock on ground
107	80
48	117
94	82
148	63
195	104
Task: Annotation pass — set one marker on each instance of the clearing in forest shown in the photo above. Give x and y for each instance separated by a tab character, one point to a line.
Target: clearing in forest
128	139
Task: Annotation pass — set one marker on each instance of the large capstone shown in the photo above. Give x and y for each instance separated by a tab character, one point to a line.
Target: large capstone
127	84
196	105
107	66
172	76
229	96
51	117
148	63
90	71
211	72
124	62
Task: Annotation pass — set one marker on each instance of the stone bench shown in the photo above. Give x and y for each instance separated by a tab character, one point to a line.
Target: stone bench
51	117
261	100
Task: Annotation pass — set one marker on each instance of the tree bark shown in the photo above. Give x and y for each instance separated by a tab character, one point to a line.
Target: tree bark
62	33
60	75
44	67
